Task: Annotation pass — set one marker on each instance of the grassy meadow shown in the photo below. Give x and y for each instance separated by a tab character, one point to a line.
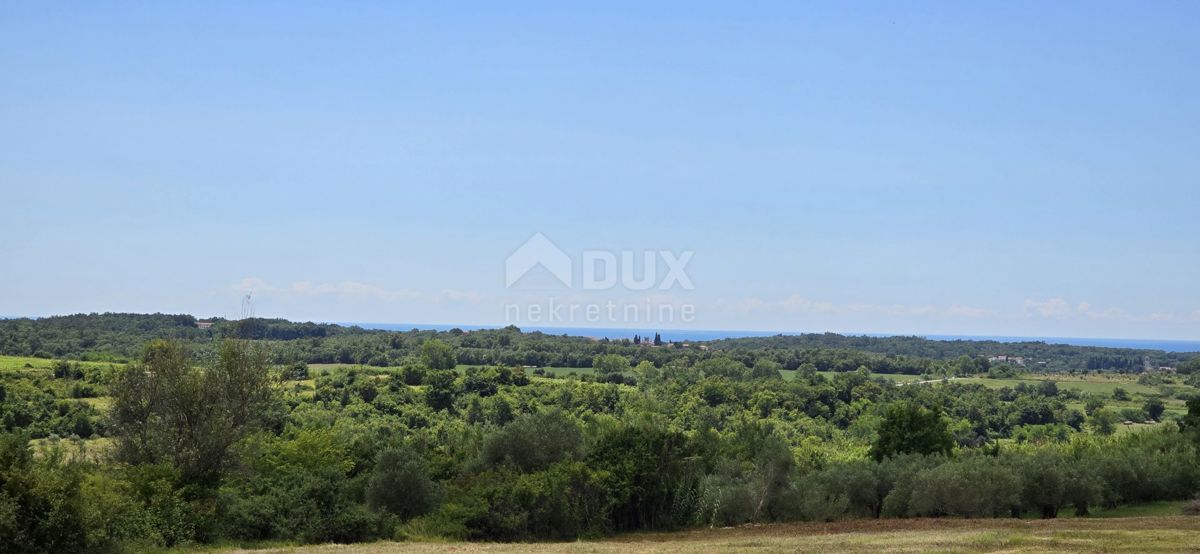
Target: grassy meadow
1171	533
23	363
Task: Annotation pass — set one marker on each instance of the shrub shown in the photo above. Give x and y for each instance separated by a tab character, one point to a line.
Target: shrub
41	509
1192	508
909	428
1154	408
978	486
400	484
412	374
297	488
1103	422
651	469
1136	415
566	501
436	354
296	372
533	442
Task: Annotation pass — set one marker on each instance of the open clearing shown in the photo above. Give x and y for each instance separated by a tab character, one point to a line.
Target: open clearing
1136	534
19	363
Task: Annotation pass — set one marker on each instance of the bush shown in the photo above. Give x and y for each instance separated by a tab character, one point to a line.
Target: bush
1103	422
909	428
41	508
652	471
978	486
412	374
532	442
566	501
296	372
436	354
400	484
723	500
842	489
297	488
1154	408
1192	508
1136	415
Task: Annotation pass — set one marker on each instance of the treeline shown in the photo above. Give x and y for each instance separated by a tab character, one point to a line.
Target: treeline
1057	357
119	337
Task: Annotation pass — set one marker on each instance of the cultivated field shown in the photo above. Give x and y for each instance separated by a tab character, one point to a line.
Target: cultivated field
1138	534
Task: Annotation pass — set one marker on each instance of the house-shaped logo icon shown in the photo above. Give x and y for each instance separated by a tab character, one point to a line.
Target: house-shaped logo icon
538	250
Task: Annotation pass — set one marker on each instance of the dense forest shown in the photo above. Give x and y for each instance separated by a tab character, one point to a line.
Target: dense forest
131	432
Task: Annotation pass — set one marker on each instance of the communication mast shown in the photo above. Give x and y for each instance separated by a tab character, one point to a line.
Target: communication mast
247	306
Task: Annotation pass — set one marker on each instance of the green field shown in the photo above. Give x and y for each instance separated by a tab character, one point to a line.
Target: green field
17	363
1135	534
1096	384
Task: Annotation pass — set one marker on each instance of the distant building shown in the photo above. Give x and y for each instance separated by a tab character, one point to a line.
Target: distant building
203	324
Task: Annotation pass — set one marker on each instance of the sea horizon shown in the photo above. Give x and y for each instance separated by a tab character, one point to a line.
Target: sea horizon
685	335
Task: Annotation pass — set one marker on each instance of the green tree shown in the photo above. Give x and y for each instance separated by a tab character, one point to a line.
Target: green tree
533	442
910	428
1189	424
651	472
723	366
412	374
1044	477
766	369
1103	422
440	389
806	371
438	355
40	505
1119	394
609	364
977	486
400	484
298	488
296	372
1154	408
646	372
168	409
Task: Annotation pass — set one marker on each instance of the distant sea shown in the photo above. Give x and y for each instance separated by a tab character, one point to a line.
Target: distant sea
705	335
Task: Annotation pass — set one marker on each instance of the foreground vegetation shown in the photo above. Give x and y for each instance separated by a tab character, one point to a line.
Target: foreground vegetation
203	441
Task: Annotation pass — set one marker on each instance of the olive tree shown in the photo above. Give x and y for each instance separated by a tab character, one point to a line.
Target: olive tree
168	408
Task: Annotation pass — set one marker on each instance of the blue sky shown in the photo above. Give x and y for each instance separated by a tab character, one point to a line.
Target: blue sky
1017	169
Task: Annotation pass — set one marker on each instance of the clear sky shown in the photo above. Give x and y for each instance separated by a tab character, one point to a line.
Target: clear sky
1009	168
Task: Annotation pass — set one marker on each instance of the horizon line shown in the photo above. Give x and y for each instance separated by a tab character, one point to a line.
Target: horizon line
762	332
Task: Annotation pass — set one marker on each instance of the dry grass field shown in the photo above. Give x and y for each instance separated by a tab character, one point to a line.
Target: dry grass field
1135	534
